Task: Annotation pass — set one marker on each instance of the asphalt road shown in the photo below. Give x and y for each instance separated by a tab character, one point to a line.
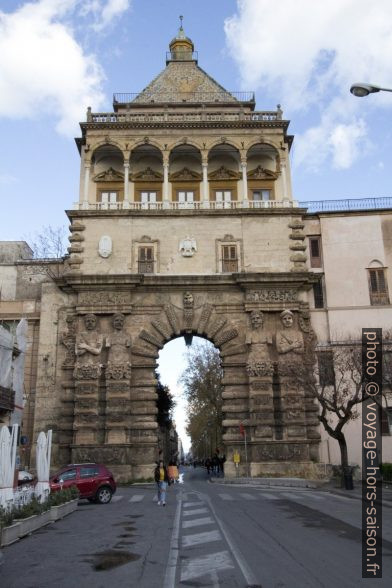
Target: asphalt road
207	535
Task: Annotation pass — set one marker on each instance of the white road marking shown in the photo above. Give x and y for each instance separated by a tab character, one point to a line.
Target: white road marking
195	511
198	503
117	498
300	496
171	568
269	496
137	498
248	496
250	578
197	522
200	538
225	497
206	564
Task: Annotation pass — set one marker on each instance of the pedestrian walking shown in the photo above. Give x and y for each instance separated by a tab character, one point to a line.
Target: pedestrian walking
161	478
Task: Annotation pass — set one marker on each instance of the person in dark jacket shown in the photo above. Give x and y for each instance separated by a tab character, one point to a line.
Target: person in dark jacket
161	478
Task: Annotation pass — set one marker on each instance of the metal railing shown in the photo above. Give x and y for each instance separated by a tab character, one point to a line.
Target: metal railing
184	117
347	204
199	205
163	97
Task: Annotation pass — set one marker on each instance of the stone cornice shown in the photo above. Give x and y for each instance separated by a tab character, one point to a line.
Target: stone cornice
255	124
202	283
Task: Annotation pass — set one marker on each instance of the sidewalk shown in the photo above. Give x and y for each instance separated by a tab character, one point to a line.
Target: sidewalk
322	485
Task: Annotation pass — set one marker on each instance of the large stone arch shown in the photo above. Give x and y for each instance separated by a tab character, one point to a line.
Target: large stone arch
113	420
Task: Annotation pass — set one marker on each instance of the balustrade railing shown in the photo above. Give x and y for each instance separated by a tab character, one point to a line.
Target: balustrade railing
172	117
199	205
347	204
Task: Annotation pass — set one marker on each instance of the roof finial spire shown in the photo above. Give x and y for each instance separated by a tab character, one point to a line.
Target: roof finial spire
181	19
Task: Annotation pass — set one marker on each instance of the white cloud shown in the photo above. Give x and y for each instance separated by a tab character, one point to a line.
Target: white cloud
307	55
104	12
7	179
44	69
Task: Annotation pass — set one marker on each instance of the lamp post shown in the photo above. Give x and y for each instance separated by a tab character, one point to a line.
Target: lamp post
361	89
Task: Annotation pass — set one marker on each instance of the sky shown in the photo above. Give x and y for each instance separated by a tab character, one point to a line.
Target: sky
57	57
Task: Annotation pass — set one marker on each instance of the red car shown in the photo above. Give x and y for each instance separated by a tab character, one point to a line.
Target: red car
94	481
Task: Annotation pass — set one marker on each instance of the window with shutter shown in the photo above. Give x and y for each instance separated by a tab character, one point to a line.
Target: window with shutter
146	260
318	295
378	288
148	199
315	251
109	199
326	371
223	198
229	258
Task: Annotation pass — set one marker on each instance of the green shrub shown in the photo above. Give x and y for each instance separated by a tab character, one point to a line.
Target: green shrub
386	471
64	495
6	517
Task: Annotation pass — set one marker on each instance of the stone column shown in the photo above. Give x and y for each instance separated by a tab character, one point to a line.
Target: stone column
206	196
166	202
284	181
126	186
87	166
245	201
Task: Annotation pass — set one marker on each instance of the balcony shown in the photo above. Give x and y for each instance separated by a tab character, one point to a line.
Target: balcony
166	118
7	399
209	205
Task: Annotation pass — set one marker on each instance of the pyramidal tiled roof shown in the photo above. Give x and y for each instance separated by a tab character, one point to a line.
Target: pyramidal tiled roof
184	81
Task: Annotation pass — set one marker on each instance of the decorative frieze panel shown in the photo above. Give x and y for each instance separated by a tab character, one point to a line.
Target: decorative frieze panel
104	297
272	295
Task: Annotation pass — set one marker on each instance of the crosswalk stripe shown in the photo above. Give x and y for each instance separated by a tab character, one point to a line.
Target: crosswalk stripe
117	498
225	497
197	522
269	496
136	498
200	538
206	564
198	503
248	496
195	511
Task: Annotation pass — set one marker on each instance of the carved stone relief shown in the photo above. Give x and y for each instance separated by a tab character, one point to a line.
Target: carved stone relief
88	348
259	362
275	295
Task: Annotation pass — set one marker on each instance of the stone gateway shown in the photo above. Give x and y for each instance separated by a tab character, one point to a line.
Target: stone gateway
185	226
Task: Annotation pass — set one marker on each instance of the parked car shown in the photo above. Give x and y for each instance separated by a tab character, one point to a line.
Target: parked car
24	477
94	481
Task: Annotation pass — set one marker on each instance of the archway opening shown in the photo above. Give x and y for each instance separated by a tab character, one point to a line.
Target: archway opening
192	376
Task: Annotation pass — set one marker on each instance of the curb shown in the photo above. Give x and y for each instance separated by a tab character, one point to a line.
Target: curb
270	482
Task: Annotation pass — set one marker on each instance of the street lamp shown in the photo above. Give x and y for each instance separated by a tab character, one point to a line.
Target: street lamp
360	89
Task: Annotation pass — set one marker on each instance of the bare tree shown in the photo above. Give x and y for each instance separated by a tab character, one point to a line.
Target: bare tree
334	377
49	248
48	243
203	390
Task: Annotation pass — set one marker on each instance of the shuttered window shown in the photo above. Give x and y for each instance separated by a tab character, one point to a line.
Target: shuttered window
315	251
109	199
146	260
229	258
378	288
326	371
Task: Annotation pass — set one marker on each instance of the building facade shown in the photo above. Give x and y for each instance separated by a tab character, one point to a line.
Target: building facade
186	225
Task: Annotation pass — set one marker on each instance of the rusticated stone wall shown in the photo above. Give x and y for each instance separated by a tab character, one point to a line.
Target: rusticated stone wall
102	384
